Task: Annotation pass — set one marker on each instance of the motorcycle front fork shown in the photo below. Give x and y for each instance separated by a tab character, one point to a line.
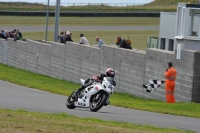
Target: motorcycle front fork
107	100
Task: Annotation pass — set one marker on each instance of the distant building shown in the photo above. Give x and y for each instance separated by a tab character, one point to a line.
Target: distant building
181	29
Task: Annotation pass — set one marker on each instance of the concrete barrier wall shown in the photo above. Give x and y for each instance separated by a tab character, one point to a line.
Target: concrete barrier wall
20	54
133	67
72	63
57	60
11	53
129	66
155	67
2	50
132	72
90	60
156	63
196	78
185	73
31	56
43	58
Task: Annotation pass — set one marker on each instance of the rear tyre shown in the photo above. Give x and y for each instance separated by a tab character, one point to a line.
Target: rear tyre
70	102
97	101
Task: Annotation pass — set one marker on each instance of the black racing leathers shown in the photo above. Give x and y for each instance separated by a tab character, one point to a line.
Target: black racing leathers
89	81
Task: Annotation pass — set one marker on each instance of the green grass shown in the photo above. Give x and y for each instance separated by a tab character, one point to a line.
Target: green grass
139	38
155	6
62	87
78	21
33	80
21	121
20	6
171	2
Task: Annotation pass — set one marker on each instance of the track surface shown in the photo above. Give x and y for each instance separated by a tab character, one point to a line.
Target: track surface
77	28
18	97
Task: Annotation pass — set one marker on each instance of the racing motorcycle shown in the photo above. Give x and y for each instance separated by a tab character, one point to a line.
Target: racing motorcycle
94	96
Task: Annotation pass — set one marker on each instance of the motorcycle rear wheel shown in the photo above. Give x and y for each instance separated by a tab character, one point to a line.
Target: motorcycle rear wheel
97	104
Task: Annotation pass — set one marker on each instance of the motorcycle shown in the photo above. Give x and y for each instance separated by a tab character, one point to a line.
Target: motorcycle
94	96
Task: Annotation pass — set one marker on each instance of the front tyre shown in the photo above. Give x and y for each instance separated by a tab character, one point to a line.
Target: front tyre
97	101
70	102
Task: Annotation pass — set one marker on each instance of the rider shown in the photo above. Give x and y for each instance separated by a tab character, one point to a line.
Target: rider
109	73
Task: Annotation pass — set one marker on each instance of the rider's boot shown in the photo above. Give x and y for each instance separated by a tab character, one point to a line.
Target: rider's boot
77	91
87	83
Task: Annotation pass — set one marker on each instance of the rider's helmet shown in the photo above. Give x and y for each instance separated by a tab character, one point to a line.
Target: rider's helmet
110	72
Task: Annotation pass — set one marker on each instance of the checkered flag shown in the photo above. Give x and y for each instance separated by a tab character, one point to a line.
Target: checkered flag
153	85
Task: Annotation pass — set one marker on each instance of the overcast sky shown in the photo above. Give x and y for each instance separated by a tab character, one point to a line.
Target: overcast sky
85	1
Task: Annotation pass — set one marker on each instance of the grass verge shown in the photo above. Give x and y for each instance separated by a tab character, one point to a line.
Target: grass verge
139	38
28	122
57	86
84	7
78	21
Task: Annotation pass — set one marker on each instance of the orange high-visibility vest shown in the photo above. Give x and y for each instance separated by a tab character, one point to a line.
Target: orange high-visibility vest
170	76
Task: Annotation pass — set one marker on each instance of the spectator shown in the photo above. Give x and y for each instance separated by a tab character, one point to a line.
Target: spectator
100	42
7	34
68	37
3	34
121	42
61	38
170	75
20	34
83	40
16	36
64	36
11	34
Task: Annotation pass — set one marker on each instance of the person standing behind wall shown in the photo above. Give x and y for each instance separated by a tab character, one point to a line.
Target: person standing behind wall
100	42
61	38
68	37
20	34
121	42
83	40
170	75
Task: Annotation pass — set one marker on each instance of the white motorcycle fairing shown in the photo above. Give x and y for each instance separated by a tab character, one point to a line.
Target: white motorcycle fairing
96	87
88	92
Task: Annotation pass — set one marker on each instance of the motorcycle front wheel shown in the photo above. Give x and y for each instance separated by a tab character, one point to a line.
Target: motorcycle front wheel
97	101
70	102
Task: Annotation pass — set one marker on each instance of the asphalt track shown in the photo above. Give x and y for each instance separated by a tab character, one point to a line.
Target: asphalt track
77	28
18	97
